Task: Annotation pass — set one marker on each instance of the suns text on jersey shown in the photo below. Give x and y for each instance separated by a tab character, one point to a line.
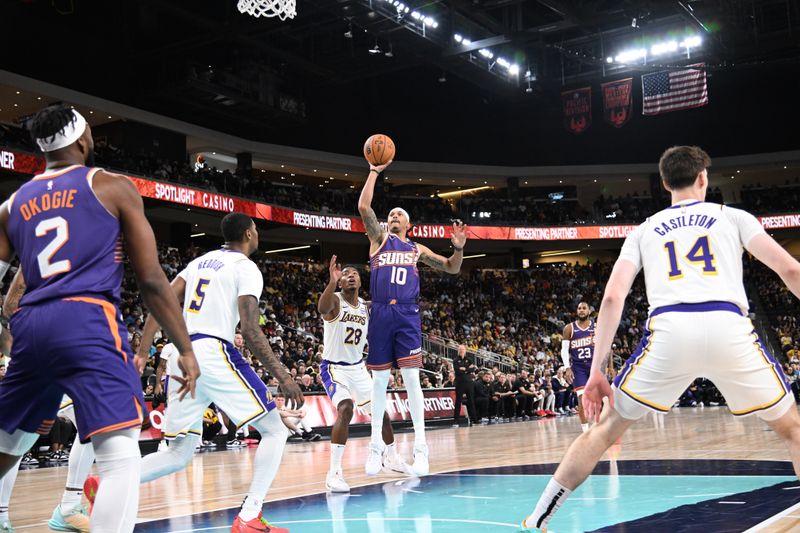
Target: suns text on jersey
397	258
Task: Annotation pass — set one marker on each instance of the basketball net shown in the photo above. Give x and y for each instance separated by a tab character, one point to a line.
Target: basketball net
283	9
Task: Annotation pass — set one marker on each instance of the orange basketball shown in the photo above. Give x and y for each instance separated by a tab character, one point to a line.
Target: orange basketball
379	149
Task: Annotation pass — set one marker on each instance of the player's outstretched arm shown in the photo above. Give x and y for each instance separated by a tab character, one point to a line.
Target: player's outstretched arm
374	230
775	256
452	264
328	305
122	200
254	337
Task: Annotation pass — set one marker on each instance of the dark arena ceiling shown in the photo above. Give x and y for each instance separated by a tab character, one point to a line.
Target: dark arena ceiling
422	71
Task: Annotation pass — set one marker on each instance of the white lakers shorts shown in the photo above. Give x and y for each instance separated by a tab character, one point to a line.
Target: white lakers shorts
347	382
226	380
67	409
711	340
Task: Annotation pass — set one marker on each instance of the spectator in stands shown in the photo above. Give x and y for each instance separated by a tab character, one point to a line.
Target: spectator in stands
482	387
294	419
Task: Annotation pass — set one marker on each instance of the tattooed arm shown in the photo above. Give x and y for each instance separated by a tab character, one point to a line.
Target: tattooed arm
452	264
254	337
14	294
374	230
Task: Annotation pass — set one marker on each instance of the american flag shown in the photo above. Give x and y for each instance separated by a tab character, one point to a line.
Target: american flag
674	90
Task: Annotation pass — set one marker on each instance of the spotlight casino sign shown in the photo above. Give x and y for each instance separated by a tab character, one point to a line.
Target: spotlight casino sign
29	164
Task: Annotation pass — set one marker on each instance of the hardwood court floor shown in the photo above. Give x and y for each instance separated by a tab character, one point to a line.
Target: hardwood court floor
219	480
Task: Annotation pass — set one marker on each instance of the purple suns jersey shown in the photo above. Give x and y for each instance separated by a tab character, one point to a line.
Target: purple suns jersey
67	242
581	346
394	277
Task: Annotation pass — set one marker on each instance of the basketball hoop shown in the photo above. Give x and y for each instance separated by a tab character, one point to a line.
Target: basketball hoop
283	9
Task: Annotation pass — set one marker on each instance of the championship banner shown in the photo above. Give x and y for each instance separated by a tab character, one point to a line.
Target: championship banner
617	102
577	108
21	162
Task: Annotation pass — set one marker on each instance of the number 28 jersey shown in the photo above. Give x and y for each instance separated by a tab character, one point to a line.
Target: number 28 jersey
214	282
394	275
68	243
346	335
691	252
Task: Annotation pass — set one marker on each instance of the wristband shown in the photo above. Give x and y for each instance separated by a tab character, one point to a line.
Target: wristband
458	249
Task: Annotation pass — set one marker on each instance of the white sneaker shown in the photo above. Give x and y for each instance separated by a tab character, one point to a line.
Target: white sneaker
335	482
420	466
395	464
374	459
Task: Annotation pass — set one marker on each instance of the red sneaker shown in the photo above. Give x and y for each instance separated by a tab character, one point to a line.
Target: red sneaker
258	524
90	487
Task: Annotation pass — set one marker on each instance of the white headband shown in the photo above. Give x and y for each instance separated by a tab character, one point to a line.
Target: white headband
402	211
68	135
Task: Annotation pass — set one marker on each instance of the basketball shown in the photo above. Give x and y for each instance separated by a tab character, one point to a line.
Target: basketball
379	149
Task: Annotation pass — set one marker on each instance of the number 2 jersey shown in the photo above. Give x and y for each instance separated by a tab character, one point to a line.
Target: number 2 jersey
214	282
67	242
346	335
691	252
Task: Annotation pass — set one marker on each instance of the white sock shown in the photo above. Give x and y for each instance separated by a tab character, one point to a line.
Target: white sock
552	498
380	380
6	486
266	462
416	403
119	466
174	459
81	458
585	427
337	451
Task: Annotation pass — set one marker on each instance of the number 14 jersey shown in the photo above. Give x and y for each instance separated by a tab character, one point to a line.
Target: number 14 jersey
214	282
691	252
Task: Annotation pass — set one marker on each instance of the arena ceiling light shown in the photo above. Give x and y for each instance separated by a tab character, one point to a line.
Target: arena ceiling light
453	194
287	249
555	253
661	48
196	235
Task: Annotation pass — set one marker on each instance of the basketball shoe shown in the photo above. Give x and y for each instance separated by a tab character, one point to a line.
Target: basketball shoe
258	524
77	519
374	459
420	466
335	482
525	528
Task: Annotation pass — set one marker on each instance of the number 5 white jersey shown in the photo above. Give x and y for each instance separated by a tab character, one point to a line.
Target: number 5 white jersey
691	252
346	335
214	282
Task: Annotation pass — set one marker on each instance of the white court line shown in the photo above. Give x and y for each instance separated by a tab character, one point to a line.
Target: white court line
791	488
769	521
589	499
475	497
385	519
701	495
731	503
